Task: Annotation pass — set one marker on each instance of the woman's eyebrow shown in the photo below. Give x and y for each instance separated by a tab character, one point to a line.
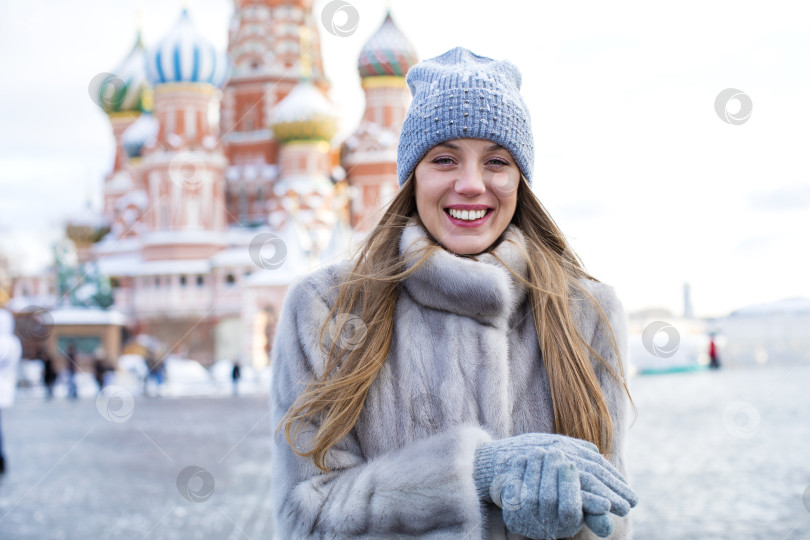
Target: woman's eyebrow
454	146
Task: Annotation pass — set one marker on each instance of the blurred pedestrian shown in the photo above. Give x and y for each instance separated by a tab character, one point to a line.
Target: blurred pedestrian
714	358
236	374
48	372
155	371
72	360
462	376
99	370
10	354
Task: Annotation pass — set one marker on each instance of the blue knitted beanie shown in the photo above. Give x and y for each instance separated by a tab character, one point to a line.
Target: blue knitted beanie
460	95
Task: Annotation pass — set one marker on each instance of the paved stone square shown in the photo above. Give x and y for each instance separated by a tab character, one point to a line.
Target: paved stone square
712	455
74	474
722	454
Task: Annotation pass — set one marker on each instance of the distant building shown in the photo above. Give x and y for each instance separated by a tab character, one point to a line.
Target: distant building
223	160
772	333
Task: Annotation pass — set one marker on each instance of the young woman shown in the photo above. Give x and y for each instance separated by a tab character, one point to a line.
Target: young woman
462	376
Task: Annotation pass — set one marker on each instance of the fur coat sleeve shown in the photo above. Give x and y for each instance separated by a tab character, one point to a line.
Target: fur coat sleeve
423	490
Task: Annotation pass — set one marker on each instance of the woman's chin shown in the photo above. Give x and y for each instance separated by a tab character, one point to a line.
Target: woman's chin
466	245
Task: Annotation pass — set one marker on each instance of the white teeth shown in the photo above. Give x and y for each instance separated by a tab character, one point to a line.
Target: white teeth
467	215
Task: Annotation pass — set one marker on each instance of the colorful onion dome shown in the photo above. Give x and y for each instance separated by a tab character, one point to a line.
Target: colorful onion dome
184	55
387	53
304	115
142	131
126	89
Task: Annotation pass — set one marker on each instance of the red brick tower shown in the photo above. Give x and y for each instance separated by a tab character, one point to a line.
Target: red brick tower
265	47
369	155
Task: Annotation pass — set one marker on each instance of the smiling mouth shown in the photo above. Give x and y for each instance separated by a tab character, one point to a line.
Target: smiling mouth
467	215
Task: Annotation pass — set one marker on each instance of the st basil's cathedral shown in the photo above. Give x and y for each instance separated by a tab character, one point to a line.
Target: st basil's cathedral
227	184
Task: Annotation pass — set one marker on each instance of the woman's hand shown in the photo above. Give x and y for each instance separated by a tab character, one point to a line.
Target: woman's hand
539	493
532	478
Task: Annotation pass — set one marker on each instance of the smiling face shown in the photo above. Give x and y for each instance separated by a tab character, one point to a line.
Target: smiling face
466	193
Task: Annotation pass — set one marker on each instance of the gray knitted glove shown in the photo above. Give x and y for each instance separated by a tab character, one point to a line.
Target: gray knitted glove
539	494
603	488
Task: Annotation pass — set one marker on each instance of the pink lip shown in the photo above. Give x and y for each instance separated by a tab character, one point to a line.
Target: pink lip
468	223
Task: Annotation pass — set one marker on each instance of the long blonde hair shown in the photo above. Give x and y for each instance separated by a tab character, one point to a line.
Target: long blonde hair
334	400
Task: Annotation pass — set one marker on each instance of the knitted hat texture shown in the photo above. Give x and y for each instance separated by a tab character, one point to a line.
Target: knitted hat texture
460	95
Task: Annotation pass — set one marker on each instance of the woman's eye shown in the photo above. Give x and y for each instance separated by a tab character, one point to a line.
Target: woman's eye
499	162
442	161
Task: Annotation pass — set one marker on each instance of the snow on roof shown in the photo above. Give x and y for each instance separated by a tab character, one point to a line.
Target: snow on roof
145	128
237	235
18	304
119	265
271	278
303	102
235	256
120	181
174	267
88	217
110	246
787	306
184	237
63	316
303	183
136	198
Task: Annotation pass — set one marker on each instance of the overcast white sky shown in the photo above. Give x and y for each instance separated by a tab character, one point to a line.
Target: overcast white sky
650	185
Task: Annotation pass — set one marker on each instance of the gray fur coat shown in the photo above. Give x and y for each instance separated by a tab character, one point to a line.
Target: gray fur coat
464	367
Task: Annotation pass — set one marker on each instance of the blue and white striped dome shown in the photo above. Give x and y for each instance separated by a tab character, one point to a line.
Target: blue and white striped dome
184	55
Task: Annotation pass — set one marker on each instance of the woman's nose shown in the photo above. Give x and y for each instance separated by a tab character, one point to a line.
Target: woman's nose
471	181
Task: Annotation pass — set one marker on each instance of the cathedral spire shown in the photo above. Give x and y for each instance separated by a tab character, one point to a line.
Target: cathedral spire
305	36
